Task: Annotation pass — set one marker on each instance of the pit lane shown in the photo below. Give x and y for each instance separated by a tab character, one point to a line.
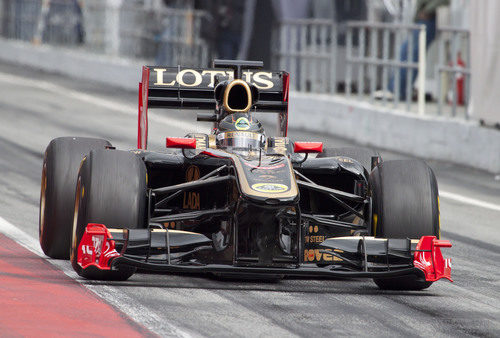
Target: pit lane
36	107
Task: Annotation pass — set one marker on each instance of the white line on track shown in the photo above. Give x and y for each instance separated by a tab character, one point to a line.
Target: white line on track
111	295
468	200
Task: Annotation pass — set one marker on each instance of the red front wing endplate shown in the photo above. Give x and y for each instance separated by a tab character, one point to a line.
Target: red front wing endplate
96	247
429	259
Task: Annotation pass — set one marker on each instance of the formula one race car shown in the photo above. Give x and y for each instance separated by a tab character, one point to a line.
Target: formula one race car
235	202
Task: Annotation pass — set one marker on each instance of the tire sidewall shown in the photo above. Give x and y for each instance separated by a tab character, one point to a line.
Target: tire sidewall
61	162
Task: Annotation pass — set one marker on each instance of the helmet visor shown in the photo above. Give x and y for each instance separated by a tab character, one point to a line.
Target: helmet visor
240	140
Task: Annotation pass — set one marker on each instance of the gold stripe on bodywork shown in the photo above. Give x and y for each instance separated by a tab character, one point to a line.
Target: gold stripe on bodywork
212	142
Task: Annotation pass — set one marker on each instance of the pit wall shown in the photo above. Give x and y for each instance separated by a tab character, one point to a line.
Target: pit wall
457	141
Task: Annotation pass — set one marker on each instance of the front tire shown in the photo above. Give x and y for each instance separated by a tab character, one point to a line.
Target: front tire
111	190
405	205
59	172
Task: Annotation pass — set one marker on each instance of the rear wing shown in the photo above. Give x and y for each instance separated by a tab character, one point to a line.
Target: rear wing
193	88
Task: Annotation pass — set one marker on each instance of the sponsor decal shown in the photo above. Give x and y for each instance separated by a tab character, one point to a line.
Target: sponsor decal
280	145
314	239
314	255
344	159
191	200
270	187
311	238
313	229
169	225
97	242
201	142
192	173
242	134
206	78
242	123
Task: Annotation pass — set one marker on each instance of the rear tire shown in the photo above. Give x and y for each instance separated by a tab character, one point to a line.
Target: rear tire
360	154
405	205
57	194
111	190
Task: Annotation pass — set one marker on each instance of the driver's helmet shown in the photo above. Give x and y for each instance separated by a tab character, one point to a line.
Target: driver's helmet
240	132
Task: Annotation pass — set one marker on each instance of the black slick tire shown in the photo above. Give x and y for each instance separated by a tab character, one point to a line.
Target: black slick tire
57	194
360	154
405	205
111	190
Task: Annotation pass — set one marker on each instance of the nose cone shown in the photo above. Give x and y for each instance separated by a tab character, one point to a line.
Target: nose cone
267	180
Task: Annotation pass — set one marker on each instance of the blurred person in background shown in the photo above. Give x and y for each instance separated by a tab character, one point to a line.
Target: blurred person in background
166	33
228	24
64	23
425	15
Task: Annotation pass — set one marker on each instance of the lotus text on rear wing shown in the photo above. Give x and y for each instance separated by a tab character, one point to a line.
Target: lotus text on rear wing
196	78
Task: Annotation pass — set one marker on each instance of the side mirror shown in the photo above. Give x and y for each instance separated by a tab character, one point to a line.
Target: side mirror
308	147
181	142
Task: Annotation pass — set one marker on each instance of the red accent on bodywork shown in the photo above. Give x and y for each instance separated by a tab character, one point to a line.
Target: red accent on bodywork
308	147
429	259
286	86
208	153
142	134
284	116
96	247
181	142
139	117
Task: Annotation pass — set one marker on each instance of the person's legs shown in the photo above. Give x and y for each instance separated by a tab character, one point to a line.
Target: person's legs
161	56
430	29
430	26
224	49
228	45
414	55
403	57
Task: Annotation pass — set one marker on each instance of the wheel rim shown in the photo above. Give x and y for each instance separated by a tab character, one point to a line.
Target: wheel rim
78	196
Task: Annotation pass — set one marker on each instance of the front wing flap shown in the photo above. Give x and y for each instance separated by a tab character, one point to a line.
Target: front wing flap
386	254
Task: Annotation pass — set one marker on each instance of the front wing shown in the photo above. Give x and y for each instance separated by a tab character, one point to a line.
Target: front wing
358	256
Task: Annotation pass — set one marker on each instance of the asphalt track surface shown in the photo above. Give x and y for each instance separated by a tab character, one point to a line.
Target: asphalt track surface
36	107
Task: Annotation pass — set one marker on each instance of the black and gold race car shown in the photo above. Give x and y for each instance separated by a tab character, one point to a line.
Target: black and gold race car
235	202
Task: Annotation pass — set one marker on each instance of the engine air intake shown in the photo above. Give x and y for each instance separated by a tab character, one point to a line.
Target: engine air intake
237	97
